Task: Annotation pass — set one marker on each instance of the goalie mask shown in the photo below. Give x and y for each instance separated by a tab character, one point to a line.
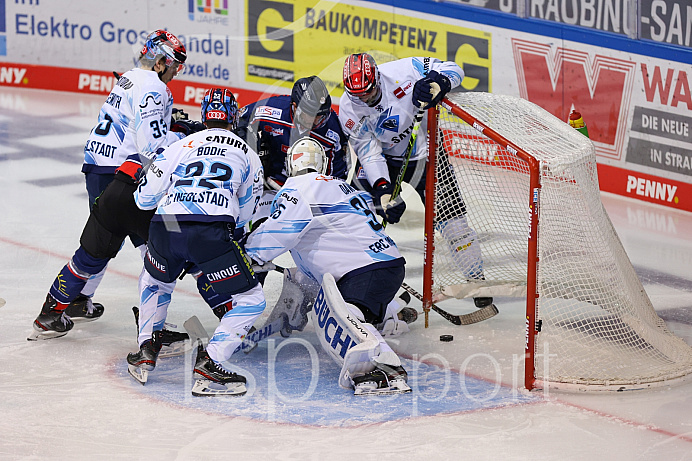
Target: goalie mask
162	44
220	105
362	78
310	102
306	155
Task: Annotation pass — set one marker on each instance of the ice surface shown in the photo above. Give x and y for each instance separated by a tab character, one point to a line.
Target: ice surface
71	398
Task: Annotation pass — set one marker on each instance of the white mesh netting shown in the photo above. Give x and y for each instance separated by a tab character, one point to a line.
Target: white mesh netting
597	323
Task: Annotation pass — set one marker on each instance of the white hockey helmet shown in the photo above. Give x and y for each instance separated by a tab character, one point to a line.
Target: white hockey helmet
305	155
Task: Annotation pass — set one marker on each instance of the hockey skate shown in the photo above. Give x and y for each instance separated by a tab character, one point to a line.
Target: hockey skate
172	342
50	323
139	364
82	309
383	380
213	379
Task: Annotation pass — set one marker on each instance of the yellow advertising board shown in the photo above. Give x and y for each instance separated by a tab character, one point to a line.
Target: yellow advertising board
287	40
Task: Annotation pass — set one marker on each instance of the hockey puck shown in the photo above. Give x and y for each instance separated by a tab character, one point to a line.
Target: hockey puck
446	338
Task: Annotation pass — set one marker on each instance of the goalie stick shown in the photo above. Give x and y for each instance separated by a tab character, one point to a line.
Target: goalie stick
481	314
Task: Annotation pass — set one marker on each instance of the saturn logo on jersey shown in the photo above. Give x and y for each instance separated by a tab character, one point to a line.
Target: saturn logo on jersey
223	274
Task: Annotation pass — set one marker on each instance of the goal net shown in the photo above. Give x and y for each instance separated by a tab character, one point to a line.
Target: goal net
513	209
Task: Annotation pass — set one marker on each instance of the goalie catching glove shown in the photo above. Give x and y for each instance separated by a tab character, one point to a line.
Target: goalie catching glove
429	90
390	210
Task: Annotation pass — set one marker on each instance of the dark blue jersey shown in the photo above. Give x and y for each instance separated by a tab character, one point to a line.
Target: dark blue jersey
268	125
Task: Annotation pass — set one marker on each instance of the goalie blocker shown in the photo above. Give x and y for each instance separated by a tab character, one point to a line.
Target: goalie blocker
368	364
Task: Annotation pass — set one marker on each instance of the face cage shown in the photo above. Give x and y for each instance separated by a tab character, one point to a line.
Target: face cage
306	120
177	65
293	169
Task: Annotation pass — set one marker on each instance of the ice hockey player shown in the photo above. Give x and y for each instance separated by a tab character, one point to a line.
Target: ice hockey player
113	217
136	117
335	240
275	123
203	188
377	111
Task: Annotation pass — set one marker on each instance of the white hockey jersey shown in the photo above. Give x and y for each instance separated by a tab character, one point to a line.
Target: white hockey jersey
384	130
211	175
134	118
328	226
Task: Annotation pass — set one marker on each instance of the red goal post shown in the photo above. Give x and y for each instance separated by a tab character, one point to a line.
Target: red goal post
524	185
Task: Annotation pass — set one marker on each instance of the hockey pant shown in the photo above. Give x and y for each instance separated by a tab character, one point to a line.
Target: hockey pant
355	345
114	215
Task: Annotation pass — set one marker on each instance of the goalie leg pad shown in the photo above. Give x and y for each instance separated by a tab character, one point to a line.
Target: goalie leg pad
462	244
355	345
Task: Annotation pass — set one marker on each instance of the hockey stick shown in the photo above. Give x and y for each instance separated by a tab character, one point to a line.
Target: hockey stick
481	314
417	119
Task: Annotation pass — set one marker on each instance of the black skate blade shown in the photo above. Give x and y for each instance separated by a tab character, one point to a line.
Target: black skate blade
40	335
139	374
207	388
395	388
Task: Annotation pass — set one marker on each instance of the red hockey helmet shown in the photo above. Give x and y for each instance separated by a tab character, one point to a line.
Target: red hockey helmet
163	44
362	78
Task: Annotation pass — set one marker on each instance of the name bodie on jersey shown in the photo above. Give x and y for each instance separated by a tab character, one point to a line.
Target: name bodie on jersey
384	130
134	118
211	175
315	216
273	116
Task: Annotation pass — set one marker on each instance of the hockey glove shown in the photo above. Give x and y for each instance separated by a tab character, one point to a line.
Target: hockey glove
187	127
178	114
391	211
274	182
429	90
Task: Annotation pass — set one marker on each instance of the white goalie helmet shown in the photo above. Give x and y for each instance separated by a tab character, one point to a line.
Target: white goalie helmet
306	155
